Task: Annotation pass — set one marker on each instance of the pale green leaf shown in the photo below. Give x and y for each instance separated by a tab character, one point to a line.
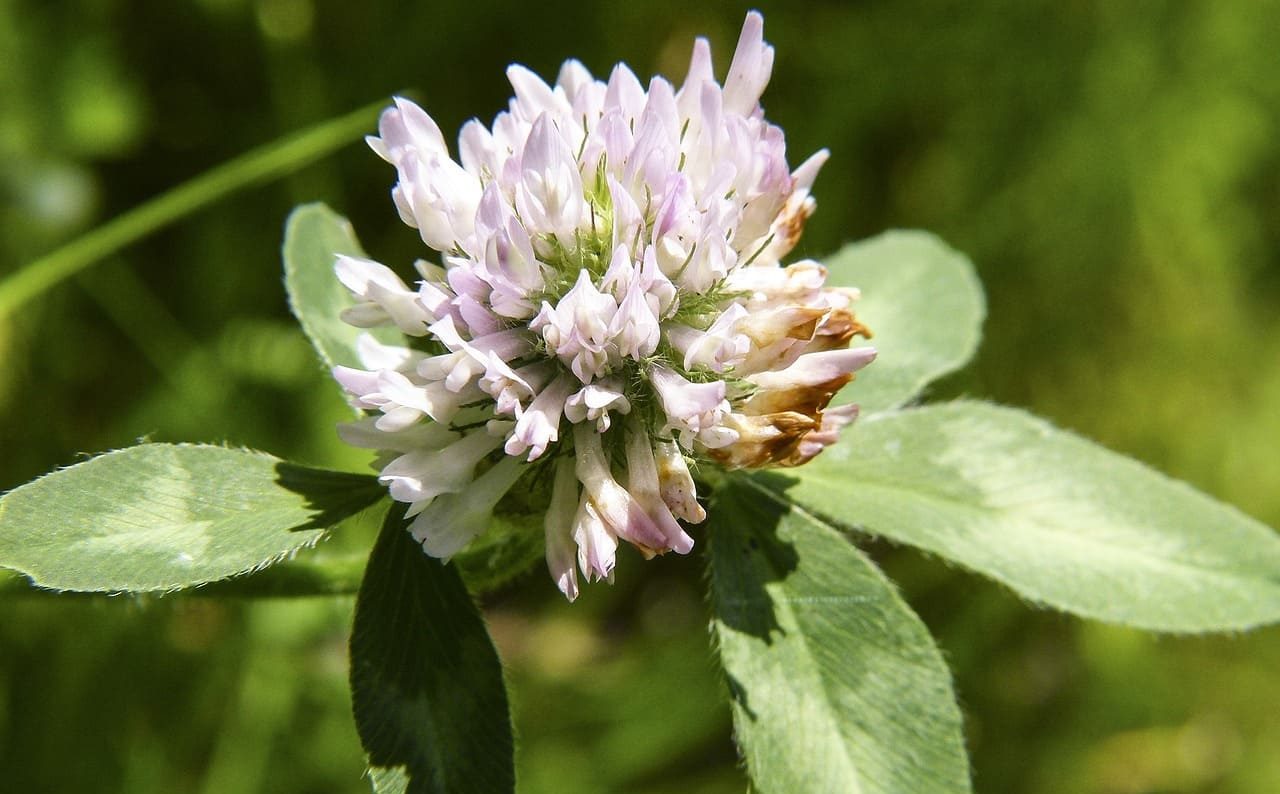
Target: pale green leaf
389	780
835	683
426	684
924	304
164	516
1057	518
314	235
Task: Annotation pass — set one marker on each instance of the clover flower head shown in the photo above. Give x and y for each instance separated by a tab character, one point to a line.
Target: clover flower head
610	310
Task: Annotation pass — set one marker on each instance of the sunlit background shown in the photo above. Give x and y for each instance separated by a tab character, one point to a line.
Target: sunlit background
1112	169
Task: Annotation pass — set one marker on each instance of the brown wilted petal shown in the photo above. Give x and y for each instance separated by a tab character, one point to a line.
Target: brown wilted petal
763	440
807	400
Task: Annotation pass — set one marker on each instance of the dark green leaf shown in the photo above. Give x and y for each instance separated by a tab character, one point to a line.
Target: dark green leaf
924	304
165	516
835	683
1059	519
426	684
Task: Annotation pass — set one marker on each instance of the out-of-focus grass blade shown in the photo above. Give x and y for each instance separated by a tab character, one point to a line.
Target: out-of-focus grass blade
259	165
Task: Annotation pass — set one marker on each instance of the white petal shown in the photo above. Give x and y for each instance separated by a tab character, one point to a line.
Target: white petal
749	72
642	482
597	545
533	96
453	520
623	515
360	384
375	355
700	72
813	369
689	406
594	402
676	484
538	426
365	434
558	526
425	473
397	418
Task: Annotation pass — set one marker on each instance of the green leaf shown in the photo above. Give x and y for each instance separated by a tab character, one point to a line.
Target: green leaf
835	683
389	781
426	684
13	583
1057	518
311	574
314	235
923	302
165	516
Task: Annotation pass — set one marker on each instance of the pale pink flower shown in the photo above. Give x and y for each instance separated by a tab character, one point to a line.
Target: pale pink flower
608	302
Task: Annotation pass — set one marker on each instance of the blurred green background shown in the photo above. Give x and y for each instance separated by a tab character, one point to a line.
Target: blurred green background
1112	168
